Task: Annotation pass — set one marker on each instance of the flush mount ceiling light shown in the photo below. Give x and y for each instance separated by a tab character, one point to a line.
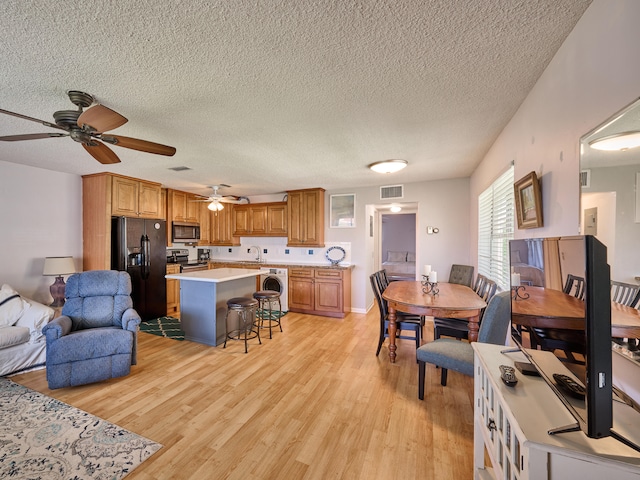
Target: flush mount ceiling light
216	206
395	209
619	141
388	166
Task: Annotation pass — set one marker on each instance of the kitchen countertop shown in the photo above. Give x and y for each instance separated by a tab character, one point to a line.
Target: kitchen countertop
216	275
280	264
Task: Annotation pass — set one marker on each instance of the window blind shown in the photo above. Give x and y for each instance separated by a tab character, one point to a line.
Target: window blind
495	229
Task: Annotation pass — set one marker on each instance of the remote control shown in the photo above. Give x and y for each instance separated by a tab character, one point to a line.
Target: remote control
570	386
508	375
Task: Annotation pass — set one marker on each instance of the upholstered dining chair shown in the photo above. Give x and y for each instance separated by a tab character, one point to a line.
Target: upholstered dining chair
95	337
450	354
461	274
405	322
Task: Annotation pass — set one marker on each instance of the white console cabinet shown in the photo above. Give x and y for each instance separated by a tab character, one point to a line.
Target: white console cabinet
511	425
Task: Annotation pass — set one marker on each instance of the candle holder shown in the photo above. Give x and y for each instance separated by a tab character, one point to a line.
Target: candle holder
515	293
429	287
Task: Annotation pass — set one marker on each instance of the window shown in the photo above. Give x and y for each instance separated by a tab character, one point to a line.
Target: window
495	229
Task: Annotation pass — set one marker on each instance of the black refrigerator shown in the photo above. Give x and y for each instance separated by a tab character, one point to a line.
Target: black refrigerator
139	248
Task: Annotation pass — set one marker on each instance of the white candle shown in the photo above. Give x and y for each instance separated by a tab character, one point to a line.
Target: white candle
515	279
427	269
433	277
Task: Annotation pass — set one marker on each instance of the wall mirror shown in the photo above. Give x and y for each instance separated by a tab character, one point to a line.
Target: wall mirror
610	190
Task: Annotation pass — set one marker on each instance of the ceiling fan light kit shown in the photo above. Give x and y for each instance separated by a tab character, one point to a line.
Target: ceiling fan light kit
215	206
388	166
87	127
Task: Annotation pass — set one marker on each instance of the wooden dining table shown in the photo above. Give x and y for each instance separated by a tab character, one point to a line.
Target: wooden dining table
549	308
451	301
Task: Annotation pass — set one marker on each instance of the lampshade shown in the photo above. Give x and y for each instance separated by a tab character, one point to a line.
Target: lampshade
56	266
215	206
619	141
388	166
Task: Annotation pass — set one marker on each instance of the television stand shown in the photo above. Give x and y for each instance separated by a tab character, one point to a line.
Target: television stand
511	425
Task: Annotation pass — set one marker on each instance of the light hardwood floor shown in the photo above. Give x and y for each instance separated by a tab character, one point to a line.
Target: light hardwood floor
312	403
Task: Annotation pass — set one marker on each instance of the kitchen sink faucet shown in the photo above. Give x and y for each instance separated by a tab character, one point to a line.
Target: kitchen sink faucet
259	252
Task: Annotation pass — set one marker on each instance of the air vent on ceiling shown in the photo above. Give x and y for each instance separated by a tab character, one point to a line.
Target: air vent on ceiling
585	178
179	169
391	191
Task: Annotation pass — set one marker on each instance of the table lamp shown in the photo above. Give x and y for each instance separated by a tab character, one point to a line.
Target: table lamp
58	266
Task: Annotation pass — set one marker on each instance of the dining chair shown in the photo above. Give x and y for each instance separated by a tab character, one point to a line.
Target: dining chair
461	274
450	354
458	327
574	285
404	322
625	293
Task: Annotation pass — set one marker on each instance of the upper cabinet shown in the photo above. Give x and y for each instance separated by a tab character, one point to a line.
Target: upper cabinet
222	227
260	220
135	198
182	206
305	218
105	195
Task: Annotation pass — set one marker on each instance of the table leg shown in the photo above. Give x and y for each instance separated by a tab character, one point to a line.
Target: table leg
393	327
474	326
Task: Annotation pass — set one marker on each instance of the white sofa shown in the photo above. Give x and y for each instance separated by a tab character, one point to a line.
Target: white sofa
22	345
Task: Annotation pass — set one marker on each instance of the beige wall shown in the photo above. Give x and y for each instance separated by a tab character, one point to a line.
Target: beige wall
41	216
594	74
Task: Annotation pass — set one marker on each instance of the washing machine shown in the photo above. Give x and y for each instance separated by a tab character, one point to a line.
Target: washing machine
276	279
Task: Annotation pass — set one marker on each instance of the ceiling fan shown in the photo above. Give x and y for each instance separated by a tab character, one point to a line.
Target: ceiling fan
87	127
217	200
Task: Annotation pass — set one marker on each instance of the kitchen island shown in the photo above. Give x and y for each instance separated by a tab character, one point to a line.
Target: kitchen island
203	300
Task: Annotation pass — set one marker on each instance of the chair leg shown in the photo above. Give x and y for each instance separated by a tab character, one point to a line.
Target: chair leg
421	371
443	377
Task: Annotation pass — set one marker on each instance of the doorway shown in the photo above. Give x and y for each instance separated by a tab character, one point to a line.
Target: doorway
398	245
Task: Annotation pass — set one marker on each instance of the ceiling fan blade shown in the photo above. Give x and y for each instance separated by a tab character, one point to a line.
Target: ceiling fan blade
31	119
101	152
101	119
31	136
137	144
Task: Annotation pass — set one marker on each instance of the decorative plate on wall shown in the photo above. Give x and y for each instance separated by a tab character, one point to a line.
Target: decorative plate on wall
335	255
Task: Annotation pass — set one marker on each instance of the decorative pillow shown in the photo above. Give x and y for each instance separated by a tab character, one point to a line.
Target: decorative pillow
34	318
396	256
10	336
411	256
11	306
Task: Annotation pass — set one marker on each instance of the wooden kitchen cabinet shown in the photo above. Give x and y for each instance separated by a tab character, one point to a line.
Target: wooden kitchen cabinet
260	219
305	218
205	224
320	291
182	206
173	291
222	227
105	195
135	198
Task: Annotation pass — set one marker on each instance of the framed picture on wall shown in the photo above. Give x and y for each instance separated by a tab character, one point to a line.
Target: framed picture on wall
528	201
342	210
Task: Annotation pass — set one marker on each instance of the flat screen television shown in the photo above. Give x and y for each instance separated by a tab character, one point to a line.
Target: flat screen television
540	268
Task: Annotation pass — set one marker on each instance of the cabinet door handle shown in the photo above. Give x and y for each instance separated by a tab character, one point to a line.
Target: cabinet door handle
491	424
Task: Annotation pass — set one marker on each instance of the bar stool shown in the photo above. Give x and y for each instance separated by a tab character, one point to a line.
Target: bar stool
266	299
245	310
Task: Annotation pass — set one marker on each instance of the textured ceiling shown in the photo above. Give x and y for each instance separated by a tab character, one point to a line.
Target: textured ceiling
273	95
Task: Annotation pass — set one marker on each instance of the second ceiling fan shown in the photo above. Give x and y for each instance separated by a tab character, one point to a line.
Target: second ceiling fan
87	127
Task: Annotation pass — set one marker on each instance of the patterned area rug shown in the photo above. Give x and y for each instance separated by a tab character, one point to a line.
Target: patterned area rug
164	327
43	438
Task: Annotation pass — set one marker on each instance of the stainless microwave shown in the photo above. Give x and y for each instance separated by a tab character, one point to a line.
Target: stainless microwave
183	232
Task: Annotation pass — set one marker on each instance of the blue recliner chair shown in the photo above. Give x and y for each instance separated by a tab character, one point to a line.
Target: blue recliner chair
95	337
